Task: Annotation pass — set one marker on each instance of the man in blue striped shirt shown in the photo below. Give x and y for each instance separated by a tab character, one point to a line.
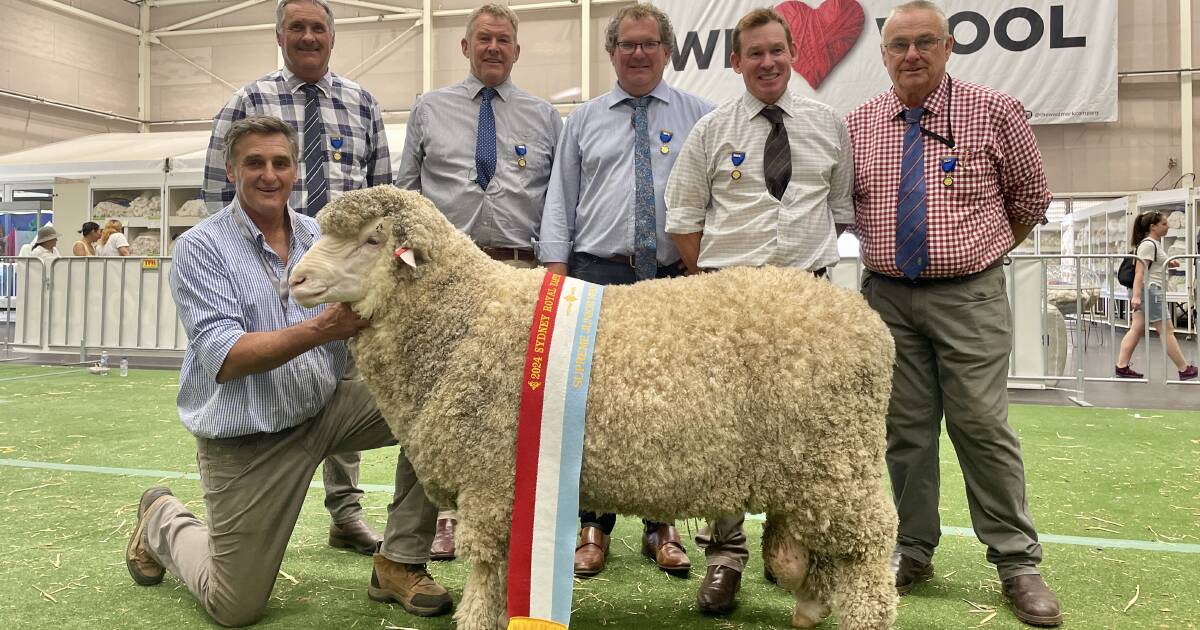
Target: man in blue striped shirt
264	389
346	148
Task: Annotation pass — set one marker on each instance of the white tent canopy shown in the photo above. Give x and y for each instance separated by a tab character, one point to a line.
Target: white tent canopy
101	154
194	161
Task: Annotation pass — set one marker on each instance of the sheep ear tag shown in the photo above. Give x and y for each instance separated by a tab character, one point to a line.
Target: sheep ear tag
407	255
554	392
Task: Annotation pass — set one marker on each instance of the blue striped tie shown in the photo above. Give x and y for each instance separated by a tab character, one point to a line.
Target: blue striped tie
912	243
645	234
316	185
485	140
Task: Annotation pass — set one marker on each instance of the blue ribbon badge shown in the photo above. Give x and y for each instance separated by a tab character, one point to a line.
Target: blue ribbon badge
521	151
665	136
737	157
336	141
948	165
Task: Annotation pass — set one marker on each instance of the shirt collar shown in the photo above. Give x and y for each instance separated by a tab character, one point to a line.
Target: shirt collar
752	107
662	92
294	83
299	230
933	103
474	86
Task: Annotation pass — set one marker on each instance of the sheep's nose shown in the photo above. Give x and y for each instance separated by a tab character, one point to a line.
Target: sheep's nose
296	280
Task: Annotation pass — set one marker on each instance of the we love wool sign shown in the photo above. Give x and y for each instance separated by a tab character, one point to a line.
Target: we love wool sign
1058	57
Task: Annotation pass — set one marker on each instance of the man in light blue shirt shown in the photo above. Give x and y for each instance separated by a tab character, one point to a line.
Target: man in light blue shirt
604	215
264	389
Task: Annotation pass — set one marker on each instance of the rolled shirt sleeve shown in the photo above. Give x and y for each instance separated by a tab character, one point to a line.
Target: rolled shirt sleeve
554	242
689	189
206	303
841	181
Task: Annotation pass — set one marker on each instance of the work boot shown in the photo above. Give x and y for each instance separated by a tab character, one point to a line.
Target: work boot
909	572
1032	600
355	535
443	540
409	585
143	568
718	590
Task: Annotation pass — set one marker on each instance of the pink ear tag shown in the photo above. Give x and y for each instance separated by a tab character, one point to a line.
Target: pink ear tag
406	254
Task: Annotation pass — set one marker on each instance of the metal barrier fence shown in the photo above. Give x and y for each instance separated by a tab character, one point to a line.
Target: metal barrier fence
22	308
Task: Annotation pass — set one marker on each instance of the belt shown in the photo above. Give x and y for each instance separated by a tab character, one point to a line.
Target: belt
508	253
929	282
620	259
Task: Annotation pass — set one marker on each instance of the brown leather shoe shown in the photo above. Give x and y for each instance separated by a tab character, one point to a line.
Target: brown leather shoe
718	590
909	572
143	568
356	535
443	540
664	547
409	585
1032	600
591	552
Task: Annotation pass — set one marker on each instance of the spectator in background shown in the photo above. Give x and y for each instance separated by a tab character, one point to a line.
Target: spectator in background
45	245
86	246
112	240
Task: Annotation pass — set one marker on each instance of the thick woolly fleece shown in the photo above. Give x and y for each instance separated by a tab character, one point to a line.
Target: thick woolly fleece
747	390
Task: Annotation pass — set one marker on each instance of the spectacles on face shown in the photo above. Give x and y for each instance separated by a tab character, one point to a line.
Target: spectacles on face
649	48
899	47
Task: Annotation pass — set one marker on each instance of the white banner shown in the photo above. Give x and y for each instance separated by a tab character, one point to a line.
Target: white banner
1058	57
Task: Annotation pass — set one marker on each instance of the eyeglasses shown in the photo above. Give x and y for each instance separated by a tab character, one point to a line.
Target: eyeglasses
900	47
647	47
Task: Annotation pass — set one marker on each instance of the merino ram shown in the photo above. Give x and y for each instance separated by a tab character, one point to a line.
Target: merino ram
749	390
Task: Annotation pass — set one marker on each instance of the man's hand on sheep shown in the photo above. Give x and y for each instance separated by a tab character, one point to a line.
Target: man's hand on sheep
259	352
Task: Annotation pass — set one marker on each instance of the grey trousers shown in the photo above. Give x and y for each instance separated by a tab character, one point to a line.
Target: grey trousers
724	542
953	340
254	487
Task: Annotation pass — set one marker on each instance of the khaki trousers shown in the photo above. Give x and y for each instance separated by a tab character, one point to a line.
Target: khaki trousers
953	340
254	487
724	542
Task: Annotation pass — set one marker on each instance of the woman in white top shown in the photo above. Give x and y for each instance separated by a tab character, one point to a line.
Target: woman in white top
45	246
112	240
1148	296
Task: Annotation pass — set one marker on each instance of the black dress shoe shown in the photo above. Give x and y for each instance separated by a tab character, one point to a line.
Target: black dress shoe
1032	600
718	591
909	572
356	535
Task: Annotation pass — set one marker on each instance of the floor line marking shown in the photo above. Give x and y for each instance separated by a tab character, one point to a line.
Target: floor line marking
964	532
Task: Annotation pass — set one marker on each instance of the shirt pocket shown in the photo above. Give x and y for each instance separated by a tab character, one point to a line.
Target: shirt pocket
970	177
529	157
345	162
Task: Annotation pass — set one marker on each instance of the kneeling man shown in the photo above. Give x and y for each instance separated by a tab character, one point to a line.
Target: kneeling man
264	389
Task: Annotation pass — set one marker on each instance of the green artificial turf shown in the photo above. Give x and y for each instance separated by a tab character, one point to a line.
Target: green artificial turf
1097	473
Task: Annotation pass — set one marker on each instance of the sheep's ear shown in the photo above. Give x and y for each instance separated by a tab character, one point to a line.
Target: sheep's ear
407	256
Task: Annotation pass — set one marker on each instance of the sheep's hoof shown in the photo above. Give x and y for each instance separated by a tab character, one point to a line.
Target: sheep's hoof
808	614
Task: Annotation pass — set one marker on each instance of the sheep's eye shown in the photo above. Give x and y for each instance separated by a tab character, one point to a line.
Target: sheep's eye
373	240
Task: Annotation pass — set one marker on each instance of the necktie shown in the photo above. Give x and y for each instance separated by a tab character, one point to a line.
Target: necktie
777	153
645	237
316	186
485	140
912	245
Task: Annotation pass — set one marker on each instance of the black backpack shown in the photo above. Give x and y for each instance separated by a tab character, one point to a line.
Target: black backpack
1126	271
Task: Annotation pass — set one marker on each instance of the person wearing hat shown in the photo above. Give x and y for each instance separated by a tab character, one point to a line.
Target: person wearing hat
45	246
86	246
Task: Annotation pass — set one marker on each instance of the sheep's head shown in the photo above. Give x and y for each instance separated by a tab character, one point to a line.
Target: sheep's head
364	233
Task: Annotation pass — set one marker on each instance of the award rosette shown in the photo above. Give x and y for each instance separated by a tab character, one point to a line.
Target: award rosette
550	453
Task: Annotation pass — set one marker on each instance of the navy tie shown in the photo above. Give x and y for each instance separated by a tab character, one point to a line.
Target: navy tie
912	228
645	235
485	140
316	185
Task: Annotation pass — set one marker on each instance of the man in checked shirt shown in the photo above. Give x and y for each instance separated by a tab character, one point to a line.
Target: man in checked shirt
948	179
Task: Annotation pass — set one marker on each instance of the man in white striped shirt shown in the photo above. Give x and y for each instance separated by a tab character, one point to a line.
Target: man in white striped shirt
764	179
265	390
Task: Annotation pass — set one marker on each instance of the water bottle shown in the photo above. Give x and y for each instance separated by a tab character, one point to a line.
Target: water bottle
104	359
124	366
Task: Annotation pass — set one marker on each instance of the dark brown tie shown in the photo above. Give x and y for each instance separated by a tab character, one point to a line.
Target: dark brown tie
777	154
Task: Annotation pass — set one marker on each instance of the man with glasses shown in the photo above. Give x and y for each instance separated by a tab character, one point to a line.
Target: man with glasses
604	218
948	179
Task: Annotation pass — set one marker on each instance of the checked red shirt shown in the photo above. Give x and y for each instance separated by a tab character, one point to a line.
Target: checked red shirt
998	178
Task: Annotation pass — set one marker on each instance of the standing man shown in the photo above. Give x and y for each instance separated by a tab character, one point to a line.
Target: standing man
605	215
948	179
765	179
344	148
264	389
481	151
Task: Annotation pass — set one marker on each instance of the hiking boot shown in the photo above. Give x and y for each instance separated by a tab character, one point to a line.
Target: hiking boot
143	568
1188	373
409	585
1127	372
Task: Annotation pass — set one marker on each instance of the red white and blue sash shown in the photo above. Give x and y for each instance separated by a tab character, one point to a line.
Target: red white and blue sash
558	365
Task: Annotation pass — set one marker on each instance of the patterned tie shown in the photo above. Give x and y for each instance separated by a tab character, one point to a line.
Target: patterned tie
912	244
485	140
316	184
777	153
645	237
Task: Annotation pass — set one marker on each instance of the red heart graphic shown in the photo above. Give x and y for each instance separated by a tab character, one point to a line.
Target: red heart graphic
822	36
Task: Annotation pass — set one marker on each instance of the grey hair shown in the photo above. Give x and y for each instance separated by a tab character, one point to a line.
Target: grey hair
263	125
666	34
324	4
495	10
920	5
